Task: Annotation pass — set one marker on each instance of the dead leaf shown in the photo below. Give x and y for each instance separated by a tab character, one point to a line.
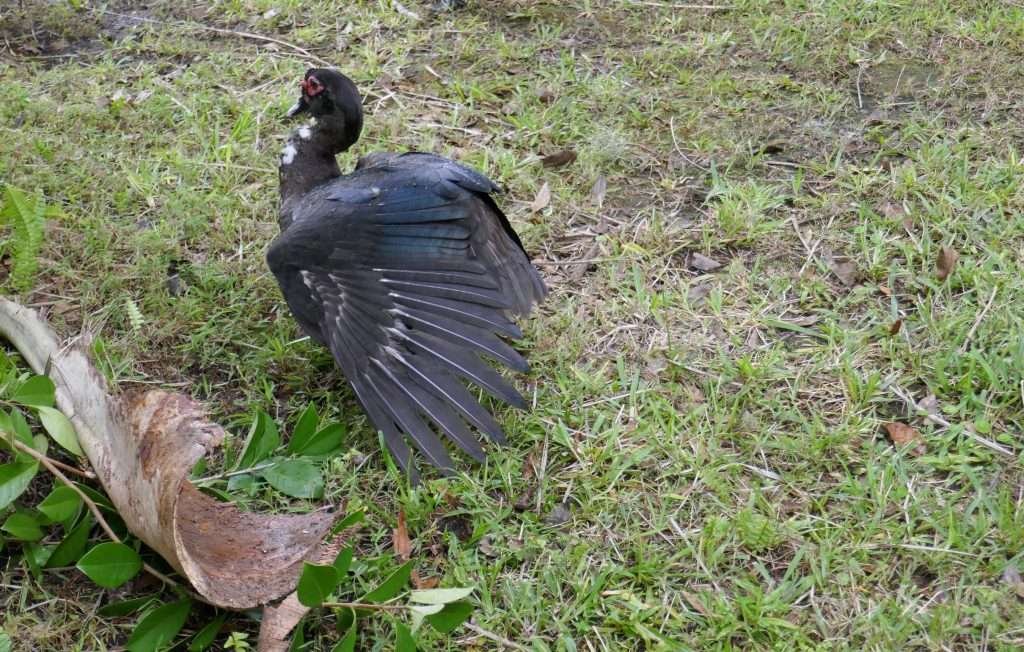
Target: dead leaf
703	263
543	198
695	602
400	538
845	271
876	117
656	363
558	159
803	320
424	583
904	435
1011	576
698	292
559	515
908	225
754	339
946	262
930	404
774	146
598	190
895	327
893	211
884	289
546	95
694	394
487	546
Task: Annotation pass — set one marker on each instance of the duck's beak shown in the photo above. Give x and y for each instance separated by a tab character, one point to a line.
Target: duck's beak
297	108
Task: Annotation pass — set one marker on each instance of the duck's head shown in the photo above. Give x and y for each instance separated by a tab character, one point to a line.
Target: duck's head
333	100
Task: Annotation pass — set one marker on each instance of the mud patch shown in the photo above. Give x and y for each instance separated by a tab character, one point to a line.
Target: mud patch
893	84
52	31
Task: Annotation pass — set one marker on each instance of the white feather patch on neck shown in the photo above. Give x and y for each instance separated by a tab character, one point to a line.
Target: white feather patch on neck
288	154
304	132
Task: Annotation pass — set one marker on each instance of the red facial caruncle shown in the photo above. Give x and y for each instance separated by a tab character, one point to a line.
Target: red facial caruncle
311	86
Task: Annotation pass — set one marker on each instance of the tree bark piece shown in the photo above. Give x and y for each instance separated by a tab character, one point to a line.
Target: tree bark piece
142	446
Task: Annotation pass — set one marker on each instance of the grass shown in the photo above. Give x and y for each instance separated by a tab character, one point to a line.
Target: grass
716	438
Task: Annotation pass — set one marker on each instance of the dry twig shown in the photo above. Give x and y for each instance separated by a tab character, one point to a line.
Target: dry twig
501	640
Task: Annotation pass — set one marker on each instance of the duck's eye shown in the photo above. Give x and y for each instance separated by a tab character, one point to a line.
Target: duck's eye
312	86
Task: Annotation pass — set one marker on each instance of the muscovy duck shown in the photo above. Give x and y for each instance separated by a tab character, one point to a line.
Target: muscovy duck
407	270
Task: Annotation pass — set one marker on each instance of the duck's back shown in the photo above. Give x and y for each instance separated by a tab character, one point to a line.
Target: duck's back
406	268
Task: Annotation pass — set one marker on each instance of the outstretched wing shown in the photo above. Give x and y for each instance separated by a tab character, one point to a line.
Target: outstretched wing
408	272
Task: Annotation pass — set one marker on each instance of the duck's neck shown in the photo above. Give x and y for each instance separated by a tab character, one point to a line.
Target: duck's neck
307	160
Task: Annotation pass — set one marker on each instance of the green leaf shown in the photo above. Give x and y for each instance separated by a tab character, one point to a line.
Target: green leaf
243	483
439	596
316	583
110	564
305	428
24	526
60	429
419	612
261	442
100	499
71	548
21	429
37	554
6	431
296	478
5	642
37	391
343	561
33	553
404	642
125	607
159	627
15	478
299	636
348	521
323	442
392	586
347	623
62	505
450	617
205	637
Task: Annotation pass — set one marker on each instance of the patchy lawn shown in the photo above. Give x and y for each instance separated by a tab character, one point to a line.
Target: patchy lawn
734	319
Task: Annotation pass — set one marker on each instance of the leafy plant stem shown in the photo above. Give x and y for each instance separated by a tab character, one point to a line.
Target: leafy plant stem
366	605
85	473
231	474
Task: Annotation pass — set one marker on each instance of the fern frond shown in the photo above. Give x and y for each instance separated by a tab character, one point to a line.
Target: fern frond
25	215
135	317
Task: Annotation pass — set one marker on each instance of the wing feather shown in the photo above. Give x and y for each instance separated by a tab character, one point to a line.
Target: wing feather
408	272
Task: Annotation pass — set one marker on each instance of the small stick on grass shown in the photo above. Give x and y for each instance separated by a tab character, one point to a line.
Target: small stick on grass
679	150
977	322
501	640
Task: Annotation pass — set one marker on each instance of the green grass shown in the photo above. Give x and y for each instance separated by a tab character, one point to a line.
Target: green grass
716	438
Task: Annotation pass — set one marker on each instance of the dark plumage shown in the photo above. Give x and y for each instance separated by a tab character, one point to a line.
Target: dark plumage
406	270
